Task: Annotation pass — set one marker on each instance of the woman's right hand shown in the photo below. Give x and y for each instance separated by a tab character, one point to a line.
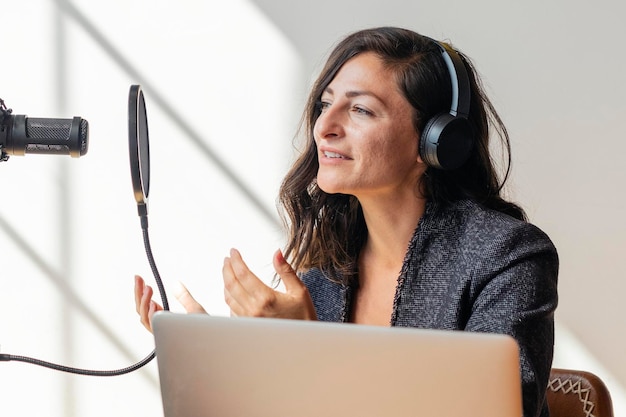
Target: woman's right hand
146	307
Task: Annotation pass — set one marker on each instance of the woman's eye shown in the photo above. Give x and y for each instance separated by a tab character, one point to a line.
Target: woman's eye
322	105
363	111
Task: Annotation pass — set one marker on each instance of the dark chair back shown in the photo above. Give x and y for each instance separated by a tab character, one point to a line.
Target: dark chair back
573	393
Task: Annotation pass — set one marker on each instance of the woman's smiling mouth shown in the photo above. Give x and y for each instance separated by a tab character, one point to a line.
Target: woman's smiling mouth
329	154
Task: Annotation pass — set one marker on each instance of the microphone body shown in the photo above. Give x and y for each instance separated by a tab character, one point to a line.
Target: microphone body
21	135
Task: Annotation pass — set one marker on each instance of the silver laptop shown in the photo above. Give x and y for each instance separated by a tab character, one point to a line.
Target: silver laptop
249	367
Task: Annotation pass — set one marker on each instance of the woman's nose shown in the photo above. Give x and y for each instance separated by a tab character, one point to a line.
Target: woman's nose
329	124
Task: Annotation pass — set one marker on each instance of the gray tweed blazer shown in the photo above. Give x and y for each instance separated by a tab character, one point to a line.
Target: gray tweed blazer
474	269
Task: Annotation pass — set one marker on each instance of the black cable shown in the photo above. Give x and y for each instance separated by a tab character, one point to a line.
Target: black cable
8	357
155	271
18	358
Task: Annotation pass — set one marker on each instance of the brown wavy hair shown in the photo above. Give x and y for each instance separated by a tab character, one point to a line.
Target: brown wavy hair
327	231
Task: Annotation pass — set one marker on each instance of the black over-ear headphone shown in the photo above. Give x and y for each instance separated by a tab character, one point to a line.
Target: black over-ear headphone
446	140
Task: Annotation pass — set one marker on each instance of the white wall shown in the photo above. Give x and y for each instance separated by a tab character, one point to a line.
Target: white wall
235	74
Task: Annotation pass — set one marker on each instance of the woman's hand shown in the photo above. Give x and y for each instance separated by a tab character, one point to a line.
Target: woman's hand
247	295
146	307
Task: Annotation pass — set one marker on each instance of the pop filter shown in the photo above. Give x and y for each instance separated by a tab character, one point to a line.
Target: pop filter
139	152
139	148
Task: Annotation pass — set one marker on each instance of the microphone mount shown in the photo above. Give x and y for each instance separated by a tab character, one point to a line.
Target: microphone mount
5	113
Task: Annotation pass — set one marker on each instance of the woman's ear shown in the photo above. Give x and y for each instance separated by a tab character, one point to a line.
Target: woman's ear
419	157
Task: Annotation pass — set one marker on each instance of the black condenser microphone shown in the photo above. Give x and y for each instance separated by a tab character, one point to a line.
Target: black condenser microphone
27	135
21	135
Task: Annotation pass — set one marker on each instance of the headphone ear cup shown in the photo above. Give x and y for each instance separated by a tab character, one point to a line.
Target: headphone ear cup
446	142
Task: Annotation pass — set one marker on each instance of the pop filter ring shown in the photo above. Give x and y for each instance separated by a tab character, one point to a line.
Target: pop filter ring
139	148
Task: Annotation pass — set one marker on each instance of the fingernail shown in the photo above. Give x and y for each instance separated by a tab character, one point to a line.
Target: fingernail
179	289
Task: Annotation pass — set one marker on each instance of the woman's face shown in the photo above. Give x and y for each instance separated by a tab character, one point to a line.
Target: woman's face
366	142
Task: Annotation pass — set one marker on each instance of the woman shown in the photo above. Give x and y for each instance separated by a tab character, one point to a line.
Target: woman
380	233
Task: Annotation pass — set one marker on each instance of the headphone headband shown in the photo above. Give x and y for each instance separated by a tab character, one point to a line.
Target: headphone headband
459	79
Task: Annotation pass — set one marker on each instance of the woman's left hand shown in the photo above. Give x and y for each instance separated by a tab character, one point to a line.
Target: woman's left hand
247	295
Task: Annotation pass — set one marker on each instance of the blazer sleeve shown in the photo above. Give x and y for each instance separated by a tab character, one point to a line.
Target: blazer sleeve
518	297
